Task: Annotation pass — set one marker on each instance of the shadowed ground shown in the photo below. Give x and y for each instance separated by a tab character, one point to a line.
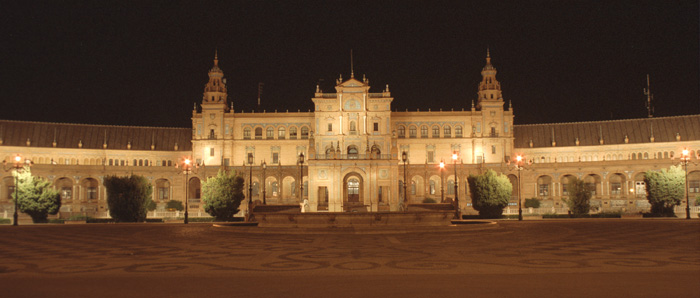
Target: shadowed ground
556	258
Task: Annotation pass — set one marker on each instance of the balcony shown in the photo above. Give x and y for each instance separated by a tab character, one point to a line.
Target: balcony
352	156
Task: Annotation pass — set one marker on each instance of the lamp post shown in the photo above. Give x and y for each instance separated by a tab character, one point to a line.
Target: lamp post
264	166
519	166
457	210
186	168
442	180
250	187
301	177
18	166
404	158
685	158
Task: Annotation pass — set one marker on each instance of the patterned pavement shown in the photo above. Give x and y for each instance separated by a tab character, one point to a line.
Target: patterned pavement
656	258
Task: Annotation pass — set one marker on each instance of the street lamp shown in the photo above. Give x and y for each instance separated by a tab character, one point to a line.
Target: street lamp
442	180
301	177
264	166
685	158
187	168
404	158
18	166
457	210
519	166
250	187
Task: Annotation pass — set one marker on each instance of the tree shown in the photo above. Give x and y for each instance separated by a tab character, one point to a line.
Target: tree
176	205
490	193
222	195
665	189
36	196
127	197
579	200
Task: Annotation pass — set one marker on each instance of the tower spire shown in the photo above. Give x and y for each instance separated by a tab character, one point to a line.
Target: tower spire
352	69
216	57
488	56
650	97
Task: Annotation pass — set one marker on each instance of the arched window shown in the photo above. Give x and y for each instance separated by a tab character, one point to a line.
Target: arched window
458	132
246	133
304	132
447	131
450	187
212	135
292	132
423	131
432	187
281	133
353	127
352	152
436	131
412	132
270	133
258	133
402	131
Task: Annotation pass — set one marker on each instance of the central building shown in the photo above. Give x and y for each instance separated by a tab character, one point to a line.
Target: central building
348	151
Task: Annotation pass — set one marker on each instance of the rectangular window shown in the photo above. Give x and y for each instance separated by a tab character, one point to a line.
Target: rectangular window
170	163
330	126
10	192
250	157
615	188
379	194
275	157
227	162
66	193
478	127
431	156
694	186
91	193
493	149
212	151
163	193
505	126
376	126
544	190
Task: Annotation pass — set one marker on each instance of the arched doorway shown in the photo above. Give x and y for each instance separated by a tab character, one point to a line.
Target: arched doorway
352	192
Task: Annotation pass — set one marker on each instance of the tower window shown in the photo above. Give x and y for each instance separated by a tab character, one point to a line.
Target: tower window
212	151
330	127
376	126
493	149
212	135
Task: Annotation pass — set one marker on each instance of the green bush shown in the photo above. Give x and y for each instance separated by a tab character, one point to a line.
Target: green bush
665	189
579	200
128	197
490	193
56	221
532	203
5	221
176	205
222	195
429	201
36	196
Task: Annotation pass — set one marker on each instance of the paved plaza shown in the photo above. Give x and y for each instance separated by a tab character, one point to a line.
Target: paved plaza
553	258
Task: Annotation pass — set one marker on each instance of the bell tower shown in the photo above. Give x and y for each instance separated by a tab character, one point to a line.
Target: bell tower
489	89
212	126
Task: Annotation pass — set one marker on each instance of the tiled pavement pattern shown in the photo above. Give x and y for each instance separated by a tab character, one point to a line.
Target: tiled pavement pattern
531	248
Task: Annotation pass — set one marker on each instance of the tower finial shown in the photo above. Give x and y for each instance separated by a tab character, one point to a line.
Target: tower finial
216	57
488	56
352	69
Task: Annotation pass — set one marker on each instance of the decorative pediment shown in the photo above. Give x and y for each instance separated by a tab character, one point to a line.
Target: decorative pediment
352	83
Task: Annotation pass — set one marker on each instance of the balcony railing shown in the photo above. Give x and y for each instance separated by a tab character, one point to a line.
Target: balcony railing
352	156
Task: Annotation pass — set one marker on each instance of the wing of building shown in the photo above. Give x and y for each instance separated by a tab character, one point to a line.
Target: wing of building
349	152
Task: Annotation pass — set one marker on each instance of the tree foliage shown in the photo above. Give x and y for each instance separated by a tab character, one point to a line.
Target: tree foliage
127	197
36	196
222	195
176	205
579	200
490	193
665	189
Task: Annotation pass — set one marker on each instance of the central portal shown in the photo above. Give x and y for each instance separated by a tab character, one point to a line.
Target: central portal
352	193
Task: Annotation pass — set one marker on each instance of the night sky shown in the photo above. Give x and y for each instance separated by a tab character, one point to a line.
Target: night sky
146	62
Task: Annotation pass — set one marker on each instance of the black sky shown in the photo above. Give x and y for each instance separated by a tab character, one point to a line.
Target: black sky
146	62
